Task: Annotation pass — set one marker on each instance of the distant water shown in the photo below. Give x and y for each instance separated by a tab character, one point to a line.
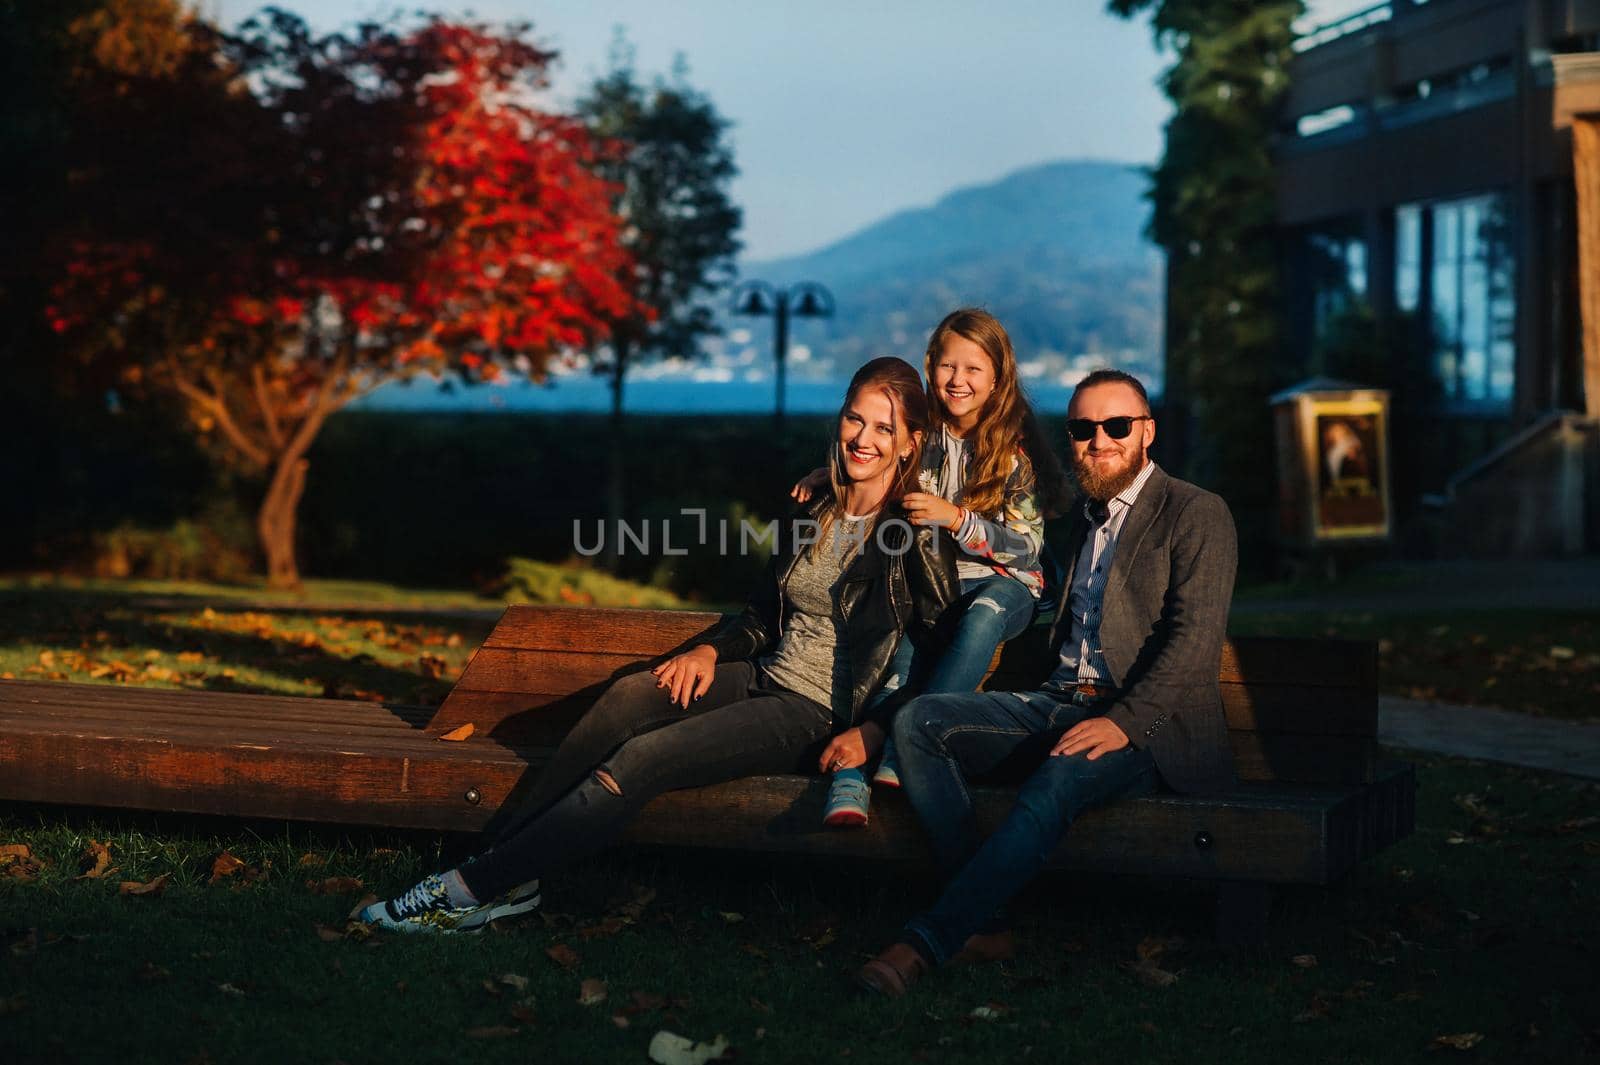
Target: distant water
579	393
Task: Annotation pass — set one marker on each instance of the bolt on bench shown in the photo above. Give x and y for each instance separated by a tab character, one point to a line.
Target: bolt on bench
1312	802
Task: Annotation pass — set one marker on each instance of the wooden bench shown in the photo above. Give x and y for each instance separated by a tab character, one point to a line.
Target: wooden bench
1313	800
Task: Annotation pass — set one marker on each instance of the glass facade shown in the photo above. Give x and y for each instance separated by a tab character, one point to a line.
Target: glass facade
1453	264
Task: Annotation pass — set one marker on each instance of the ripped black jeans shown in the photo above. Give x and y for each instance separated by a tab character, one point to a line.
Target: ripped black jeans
744	725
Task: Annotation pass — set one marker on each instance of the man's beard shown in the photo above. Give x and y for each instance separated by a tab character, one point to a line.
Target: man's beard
1105	487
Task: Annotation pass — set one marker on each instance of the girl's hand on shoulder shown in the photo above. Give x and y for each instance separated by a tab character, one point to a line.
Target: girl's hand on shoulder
925	508
687	676
809	485
851	748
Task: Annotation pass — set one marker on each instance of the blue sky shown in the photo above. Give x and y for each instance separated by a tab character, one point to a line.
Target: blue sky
845	111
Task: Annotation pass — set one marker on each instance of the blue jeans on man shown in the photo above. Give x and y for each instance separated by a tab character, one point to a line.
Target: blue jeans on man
946	740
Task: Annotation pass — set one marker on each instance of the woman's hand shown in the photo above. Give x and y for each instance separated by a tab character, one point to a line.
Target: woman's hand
851	748
809	485
925	508
688	676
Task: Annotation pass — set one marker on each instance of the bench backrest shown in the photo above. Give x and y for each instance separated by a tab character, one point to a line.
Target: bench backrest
1298	709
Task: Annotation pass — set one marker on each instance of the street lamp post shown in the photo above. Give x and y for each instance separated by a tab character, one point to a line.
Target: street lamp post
807	299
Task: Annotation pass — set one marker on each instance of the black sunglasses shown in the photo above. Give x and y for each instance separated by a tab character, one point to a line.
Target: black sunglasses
1082	429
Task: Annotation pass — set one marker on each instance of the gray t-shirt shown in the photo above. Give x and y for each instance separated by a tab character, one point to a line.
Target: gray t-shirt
812	656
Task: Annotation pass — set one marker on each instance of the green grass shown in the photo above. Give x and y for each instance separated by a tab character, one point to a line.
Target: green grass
338	638
1544	662
1484	922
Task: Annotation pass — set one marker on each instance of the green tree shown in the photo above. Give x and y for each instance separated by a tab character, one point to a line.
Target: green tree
672	165
1214	195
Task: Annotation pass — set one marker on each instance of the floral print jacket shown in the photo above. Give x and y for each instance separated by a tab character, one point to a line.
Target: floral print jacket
1012	541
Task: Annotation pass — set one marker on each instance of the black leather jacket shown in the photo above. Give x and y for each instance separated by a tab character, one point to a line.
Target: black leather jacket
891	588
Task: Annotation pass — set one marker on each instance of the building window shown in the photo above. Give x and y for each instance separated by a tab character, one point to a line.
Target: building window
1453	264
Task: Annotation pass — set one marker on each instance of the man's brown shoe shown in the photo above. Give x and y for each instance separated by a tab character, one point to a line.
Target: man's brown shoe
984	947
892	972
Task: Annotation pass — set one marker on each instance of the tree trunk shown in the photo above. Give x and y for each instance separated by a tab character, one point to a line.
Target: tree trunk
1586	176
276	520
616	478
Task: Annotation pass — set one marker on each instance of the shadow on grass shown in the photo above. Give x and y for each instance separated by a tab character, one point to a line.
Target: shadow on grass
103	625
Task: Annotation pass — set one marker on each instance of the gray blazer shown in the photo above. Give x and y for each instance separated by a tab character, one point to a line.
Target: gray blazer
1164	616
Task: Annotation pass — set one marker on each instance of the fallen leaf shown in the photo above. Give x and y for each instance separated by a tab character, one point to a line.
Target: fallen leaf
19	863
150	973
334	885
229	989
96	861
1562	653
224	866
562	955
13	1005
669	1048
152	887
1304	961
1459	1041
515	982
592	992
732	918
757	1005
328	935
985	1013
433	667
620	1021
1150	975
1319	1009
493	1031
457	734
308	860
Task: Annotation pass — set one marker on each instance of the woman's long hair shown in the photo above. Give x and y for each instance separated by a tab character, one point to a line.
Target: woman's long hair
898	380
1007	429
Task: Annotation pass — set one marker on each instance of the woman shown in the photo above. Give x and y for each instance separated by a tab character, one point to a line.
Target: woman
787	678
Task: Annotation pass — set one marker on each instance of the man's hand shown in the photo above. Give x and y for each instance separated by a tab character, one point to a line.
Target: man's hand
851	748
1097	735
687	676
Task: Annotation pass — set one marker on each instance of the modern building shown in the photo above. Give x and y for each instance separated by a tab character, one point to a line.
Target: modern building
1426	181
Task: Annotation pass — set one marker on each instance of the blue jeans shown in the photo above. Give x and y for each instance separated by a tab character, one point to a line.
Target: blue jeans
990	611
944	740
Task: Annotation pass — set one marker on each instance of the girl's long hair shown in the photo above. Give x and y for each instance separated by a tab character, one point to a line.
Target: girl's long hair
1007	429
898	380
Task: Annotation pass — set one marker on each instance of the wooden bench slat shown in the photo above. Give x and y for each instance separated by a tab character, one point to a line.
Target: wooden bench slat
214	707
242	704
545	672
1276	834
631	633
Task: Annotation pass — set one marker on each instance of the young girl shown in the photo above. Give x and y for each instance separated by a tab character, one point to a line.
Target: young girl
985	469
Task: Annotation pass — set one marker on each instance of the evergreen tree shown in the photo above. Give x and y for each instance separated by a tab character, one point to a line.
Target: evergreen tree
1214	195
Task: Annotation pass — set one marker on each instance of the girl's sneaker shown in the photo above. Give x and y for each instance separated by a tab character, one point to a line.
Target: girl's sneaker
848	798
888	772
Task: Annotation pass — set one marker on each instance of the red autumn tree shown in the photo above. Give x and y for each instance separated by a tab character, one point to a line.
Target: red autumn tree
402	206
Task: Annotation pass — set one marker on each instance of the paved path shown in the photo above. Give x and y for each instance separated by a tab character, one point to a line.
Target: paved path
1490	735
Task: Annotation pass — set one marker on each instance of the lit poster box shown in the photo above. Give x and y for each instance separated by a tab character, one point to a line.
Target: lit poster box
1333	463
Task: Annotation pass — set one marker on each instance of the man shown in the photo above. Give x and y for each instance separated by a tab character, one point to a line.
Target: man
1133	701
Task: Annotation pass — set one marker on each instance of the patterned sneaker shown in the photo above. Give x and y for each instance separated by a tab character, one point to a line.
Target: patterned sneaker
425	908
888	772
848	799
524	898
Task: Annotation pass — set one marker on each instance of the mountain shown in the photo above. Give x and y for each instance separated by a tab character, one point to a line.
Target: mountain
1055	251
